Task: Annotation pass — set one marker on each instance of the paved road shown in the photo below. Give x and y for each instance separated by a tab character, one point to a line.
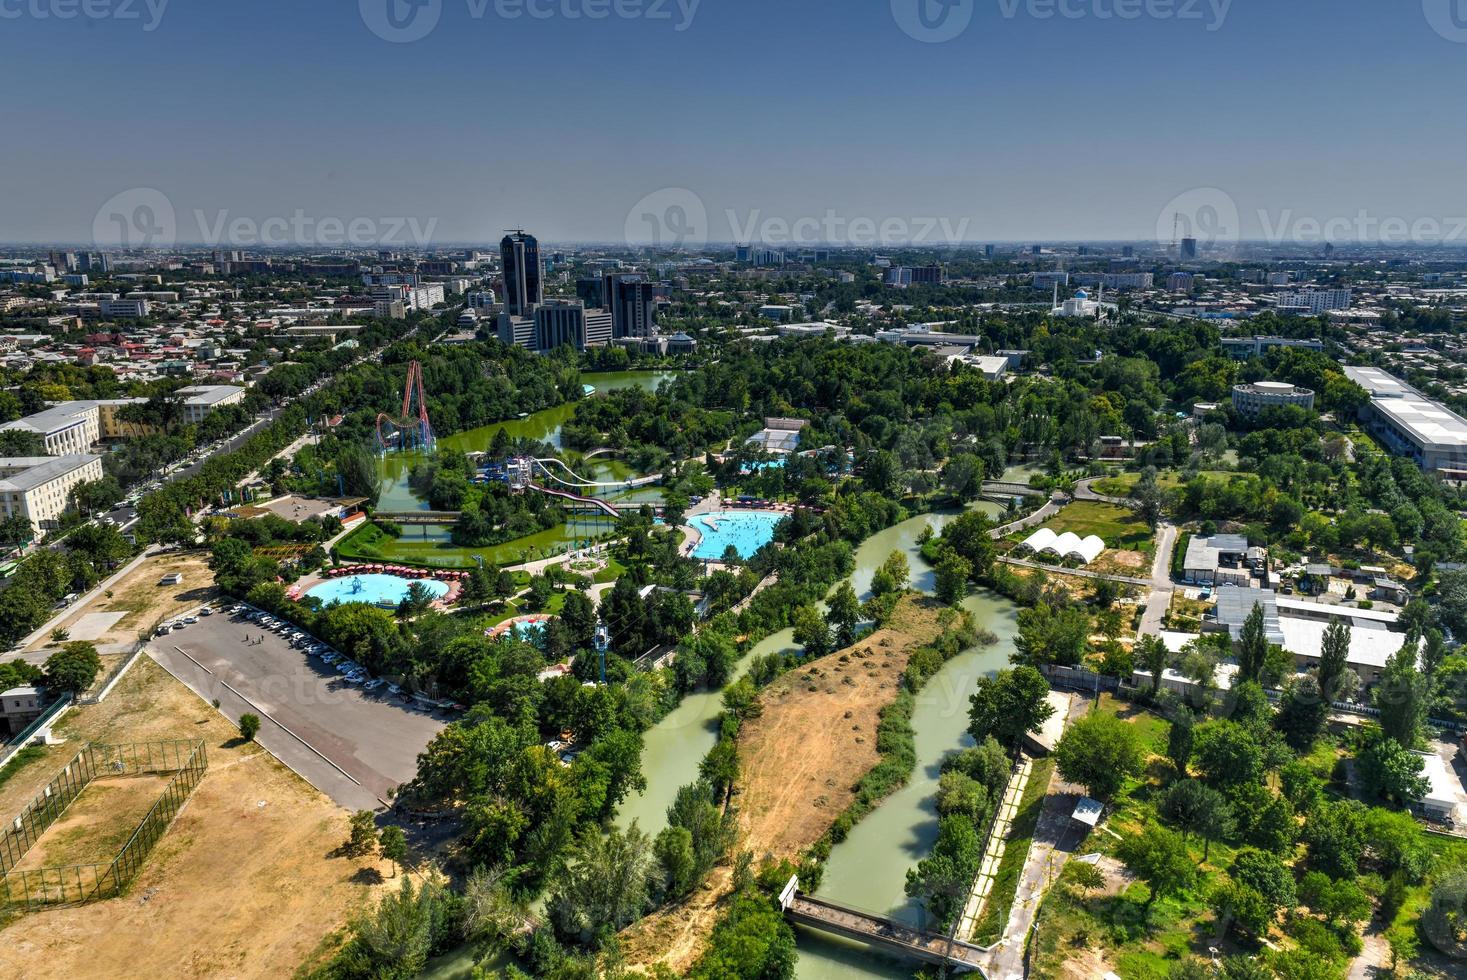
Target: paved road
1084	491
1160	599
1056	837
351	745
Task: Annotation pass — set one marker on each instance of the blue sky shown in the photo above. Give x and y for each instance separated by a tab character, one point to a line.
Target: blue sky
1022	127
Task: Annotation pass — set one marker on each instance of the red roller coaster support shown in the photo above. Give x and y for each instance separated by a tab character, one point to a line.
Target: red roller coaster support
411	429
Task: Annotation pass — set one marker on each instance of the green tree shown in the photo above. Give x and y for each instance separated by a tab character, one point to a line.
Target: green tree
249	726
1227	754
1334	676
1238	906
1390	771
811	632
1179	742
674	852
1199	809
72	669
604	886
844	615
1403	695
1335	835
1052	636
395	940
893	576
394	846
1158	857
1266	874
1153	656
953	573
1100	752
1302	712
1252	646
362	839
1008	705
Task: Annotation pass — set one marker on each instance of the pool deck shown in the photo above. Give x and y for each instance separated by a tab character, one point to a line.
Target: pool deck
303	585
692	537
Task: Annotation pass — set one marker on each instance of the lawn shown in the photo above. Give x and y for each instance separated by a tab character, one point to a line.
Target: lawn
1116	526
1120	484
415	547
990	925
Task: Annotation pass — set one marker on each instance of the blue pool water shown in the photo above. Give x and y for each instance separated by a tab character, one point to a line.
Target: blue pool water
378	590
747	531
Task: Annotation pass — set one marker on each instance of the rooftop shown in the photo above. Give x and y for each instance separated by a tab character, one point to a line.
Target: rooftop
1235	604
21	473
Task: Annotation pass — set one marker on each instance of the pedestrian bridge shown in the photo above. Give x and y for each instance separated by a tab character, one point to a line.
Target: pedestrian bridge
934	948
999	488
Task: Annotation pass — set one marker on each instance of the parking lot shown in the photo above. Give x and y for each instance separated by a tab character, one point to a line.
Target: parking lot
354	745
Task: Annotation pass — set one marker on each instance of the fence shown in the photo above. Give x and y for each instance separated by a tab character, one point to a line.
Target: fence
187	760
45	720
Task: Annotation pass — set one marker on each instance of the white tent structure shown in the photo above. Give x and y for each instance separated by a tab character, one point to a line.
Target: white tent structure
1064	546
1039	541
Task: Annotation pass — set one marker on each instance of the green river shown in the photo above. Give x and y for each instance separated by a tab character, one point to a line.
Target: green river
868	869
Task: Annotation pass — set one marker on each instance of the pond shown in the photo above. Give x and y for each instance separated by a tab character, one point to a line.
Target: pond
433	545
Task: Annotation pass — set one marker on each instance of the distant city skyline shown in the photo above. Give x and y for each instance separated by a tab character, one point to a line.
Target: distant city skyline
1026	125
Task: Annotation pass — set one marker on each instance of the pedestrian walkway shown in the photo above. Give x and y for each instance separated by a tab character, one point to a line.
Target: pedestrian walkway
1008	809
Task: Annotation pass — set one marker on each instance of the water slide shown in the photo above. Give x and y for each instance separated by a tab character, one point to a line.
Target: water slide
577	498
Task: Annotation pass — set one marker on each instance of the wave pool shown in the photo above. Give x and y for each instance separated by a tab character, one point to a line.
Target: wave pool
745	531
377	590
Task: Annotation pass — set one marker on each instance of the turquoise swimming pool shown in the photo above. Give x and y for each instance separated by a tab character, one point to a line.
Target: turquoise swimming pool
378	590
746	531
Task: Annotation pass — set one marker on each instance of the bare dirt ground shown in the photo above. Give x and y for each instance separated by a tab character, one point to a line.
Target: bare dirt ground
245	883
97	824
800	762
143	602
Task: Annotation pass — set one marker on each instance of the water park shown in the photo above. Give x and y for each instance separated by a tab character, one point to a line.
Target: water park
744	531
378	585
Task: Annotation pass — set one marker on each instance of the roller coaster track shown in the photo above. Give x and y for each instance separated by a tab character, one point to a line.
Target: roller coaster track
410	429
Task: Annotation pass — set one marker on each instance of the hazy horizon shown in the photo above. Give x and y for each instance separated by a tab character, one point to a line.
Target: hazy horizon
704	120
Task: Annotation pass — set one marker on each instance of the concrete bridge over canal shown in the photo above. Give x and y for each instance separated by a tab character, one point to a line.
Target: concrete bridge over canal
937	949
997	488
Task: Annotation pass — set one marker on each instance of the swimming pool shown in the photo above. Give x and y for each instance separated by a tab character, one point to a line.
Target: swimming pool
747	531
378	590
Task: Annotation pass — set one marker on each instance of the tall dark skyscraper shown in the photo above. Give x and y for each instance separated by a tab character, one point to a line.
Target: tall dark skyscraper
524	278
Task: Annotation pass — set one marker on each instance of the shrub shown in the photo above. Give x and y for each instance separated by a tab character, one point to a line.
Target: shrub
249	726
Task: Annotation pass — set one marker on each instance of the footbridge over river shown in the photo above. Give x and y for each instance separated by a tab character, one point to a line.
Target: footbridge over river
934	948
997	488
